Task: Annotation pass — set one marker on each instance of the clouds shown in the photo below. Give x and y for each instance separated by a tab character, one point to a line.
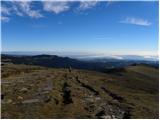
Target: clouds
136	21
28	8
55	7
19	8
5	19
4	13
87	5
5	10
24	8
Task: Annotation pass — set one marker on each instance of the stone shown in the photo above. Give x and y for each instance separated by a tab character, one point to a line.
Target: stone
31	101
48	86
19	98
31	85
47	99
24	90
5	82
113	117
106	117
97	98
9	101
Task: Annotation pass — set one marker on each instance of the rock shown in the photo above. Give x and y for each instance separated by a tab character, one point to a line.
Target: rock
20	98
113	117
47	99
6	101
24	90
31	85
106	117
5	82
9	101
89	99
97	98
45	92
31	101
48	86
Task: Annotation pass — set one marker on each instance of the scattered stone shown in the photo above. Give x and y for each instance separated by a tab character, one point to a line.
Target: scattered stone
92	98
48	86
31	101
31	85
20	98
113	117
46	99
24	90
5	82
6	101
20	81
45	92
106	117
97	98
89	99
9	101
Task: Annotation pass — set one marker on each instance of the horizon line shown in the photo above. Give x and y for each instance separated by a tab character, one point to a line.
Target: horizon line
88	53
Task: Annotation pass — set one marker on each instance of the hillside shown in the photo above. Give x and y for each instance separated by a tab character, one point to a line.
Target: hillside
38	92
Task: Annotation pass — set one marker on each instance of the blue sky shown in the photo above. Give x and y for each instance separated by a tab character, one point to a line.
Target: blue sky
91	27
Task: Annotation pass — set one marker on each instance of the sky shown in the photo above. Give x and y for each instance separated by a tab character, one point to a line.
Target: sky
106	27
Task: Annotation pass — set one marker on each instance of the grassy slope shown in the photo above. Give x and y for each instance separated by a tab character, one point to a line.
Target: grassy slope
136	88
139	85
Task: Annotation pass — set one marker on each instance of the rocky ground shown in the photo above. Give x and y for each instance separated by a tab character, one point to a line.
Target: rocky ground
37	92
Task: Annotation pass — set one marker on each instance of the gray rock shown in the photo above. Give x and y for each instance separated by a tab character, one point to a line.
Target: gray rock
5	82
31	101
24	90
106	117
8	101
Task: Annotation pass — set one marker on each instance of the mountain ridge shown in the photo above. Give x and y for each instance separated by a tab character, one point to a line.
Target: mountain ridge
67	62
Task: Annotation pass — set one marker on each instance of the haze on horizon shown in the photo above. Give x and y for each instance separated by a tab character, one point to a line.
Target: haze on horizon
81	27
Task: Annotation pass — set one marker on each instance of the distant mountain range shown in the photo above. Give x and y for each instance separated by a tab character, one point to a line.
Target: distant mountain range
88	56
55	61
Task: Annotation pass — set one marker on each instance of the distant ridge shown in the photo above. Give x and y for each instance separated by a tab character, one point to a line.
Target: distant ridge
84	56
55	61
